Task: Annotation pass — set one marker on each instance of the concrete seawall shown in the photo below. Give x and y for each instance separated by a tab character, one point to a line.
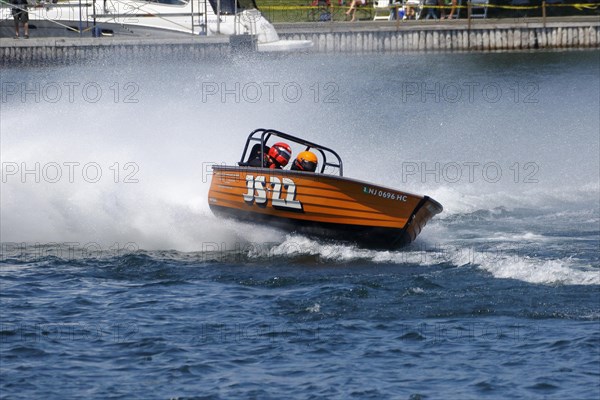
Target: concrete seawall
330	37
458	35
68	50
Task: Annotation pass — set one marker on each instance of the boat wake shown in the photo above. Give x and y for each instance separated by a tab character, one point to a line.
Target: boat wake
490	240
536	222
499	264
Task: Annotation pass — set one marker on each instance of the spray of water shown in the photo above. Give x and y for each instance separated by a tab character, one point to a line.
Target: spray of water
133	148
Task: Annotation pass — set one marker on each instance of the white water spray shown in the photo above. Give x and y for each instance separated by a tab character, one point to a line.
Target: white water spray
152	132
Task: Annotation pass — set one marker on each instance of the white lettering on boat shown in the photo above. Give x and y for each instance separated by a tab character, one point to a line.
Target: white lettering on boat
290	187
385	194
257	192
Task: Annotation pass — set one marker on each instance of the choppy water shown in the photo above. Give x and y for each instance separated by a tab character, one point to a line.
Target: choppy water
116	281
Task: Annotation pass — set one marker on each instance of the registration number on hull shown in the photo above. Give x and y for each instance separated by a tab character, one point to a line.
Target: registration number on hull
384	194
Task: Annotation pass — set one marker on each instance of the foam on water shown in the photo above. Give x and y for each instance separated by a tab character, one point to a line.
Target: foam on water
536	270
565	271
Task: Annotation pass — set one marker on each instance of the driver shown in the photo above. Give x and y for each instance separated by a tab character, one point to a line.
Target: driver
278	155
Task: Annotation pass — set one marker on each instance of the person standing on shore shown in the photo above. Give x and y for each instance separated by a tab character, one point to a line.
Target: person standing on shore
20	15
352	9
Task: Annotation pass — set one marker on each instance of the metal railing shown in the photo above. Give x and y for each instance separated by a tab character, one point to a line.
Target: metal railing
336	12
85	17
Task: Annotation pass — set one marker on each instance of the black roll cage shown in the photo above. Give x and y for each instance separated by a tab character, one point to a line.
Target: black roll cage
262	136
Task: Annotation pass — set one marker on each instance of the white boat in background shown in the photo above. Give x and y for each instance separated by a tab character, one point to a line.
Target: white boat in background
158	18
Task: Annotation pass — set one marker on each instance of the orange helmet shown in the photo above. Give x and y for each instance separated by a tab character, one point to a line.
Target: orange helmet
306	161
281	153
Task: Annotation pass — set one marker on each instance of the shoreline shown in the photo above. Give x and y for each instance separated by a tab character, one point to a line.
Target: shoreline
449	35
327	37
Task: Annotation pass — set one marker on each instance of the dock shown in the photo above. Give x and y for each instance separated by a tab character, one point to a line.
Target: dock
71	50
328	37
505	34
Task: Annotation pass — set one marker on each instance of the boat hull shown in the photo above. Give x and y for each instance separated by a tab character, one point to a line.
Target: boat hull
320	204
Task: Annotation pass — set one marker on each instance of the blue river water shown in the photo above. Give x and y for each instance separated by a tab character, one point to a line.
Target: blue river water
116	281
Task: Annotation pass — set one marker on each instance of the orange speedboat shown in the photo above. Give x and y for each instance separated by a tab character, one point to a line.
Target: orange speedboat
323	203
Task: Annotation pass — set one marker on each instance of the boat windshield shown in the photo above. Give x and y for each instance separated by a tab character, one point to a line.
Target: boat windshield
229	7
